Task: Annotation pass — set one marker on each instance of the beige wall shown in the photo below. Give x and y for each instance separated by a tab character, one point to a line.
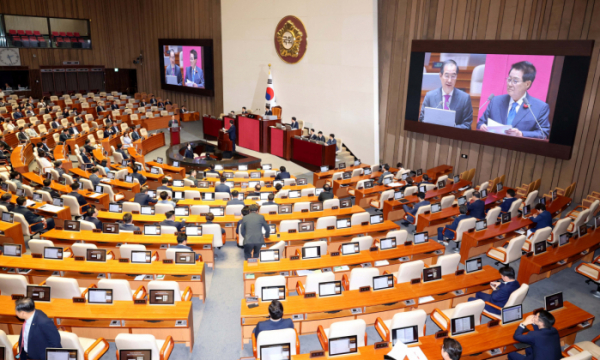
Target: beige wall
334	87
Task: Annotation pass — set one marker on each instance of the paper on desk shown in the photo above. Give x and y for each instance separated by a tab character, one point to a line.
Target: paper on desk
105	180
382	263
425	299
307	272
50	208
496	127
394	184
139	277
93	196
398	352
341	268
415	353
30	203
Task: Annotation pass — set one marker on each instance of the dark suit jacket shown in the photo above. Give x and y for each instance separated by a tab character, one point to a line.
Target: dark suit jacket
460	102
222	188
153	101
135	136
99	109
141	178
143	199
114	107
42	334
295	125
497	110
197	78
124	153
417	206
235	202
64	137
189	154
477	209
273	325
52	192
380	181
454	224
94	220
333	142
178	225
268	112
80	199
542	220
22	136
283	175
55	124
505	206
231	132
251	228
325	195
501	294
321	138
9	206
545	343
29	215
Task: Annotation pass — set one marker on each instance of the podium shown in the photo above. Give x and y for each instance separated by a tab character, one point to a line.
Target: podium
175	131
224	143
281	141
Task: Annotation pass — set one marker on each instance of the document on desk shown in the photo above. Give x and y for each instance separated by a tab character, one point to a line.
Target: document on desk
341	268
381	263
93	196
394	184
415	353
304	272
105	180
51	208
496	127
30	203
140	277
426	299
398	351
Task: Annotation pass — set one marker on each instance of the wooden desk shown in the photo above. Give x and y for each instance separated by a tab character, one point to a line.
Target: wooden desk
94	321
152	180
21	157
312	154
60	153
151	143
176	173
122	185
101	202
556	259
157	123
320	178
281	141
224	143
246	189
78	140
113	141
87	274
372	304
340	187
479	242
427	252
13	234
211	127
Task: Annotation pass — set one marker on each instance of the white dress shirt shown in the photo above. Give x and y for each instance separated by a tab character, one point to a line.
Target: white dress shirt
26	328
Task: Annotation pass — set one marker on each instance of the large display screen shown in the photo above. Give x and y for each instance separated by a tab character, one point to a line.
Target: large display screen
518	95
186	65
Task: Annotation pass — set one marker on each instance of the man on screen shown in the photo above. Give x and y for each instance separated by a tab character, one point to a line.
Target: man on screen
448	97
174	69
512	109
193	75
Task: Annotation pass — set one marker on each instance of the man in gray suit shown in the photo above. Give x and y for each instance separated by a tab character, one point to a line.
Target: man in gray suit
174	69
448	97
251	229
94	177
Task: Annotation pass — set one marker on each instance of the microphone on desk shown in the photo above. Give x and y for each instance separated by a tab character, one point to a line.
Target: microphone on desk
488	100
528	106
438	105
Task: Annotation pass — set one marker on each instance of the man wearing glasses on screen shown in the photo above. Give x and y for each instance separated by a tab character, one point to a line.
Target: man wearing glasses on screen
193	75
448	97
517	113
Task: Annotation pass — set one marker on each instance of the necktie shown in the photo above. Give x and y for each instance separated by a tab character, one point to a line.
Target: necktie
23	336
512	113
446	101
173	71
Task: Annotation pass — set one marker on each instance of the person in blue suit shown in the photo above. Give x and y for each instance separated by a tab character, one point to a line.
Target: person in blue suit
174	69
512	109
542	219
189	153
38	333
276	321
477	206
501	290
508	200
294	124
231	132
283	174
386	171
544	340
442	230
332	141
194	77
426	180
413	211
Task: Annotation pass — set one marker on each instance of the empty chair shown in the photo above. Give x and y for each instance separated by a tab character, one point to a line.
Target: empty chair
289	182
281	193
286	225
328	204
87	349
587	346
358	219
516	298
411	190
463	226
579	220
343	329
307	192
409	270
199	209
107	189
80	249
357	172
447	201
192	194
386	195
121	289
400	320
514	208
324	222
420	210
234	210
509	254
536	237
312	282
530	200
364	242
73	204
178	294
168	230
221	196
64	288
160	349
265	281
560	228
400	235
37	246
278	246
276	337
215	230
129	207
266	209
10	343
299	206
322	244
442	318
592	272
126	249
581	355
13	284
359	277
162	208
449	263
492	215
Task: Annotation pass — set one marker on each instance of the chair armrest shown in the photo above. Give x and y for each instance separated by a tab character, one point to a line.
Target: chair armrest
454	231
251	289
141	289
383	330
111	253
187	294
199	257
345	282
102	341
15	349
32	225
299	288
493	305
386	272
436	310
43	283
586	264
574	346
156	254
322	338
93	286
408	221
298	342
502	251
68	249
596	260
169	344
596	339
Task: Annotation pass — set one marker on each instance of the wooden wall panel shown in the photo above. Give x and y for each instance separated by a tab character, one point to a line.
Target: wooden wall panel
121	29
401	21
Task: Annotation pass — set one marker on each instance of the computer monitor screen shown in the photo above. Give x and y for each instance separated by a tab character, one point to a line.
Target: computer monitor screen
8	217
542	200
421	238
20	192
343	345
387	180
228	174
185	257
110	176
129	178
324	168
316	206
267	167
100	296
242	167
306	226
124	163
505	218
154	170
387	243
473	265
432	274
98	255
178	183
383	282
483	193
553	302
367	171
341	165
441	184
61	354
398	195
330	288
342	223
376	219
350	248
596	222
563	239
285	209
5	187
37	197
178	195
208	196
406	335
276	351
230	184
241	196
423	188
346	175
193	231
311	252
151	230
53	253
499	187
135	354
480	225
582	230
11	250
462	200
152	194
294	194
435	208
147	210
217	211
218	167
301	181
110	228
203	184
161	297
182	211
57	202
256	175
159	160
539	248
98	189
141	256
264	195
404	176
38	293
345	204
526	210
269	255
269	293
456	178
369	184
512	313
463	325
71	225
419	172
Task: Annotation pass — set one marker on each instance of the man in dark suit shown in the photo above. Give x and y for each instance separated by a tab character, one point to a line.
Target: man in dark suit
312	135
89	148
542	218
91	215
64	135
54	124
58	168
17	115
5	201
544	340
326	194
512	109
386	171
144	199
448	97
21	135
275	321
477	206
244	111
100	108
48	189
160	104
320	137
164	186
501	290
173	122
83	204
38	332
173	69
332	141
65	112
115	105
168	102
283	174
44	146
231	132
268	110
222	187
294	124
141	178
107	132
442	230
194	76
508	200
234	199
135	135
127	223
40	222
3	143
115	129
256	191
142	103
189	153
94	178
413	211
426	180
251	229
73	130
153	100
192	177
170	221
86	159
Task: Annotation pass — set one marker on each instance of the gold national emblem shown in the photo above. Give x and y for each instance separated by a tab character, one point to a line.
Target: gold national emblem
290	39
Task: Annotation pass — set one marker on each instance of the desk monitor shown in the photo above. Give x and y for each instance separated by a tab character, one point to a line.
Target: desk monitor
554	195
154	170
193	231
38	293
423	188
596	222
267	167
272	229
8	217
542	200
231	184
276	351
300	181
406	335
582	230
342	223
436	208
398	195
178	183
100	296
316	206
553	302
228	174
481	225
135	354
141	256
241	196
383	282
146	210
178	195
387	243
369	184
129	178
563	239
318	191
98	189
11	250
499	187
432	274
255	175
280	182
159	160
346	175
110	228
306	226
350	248
242	167
5	187
20	192
264	195
185	257
473	265
57	202
98	255
71	225
404	176
62	354
376	219
483	193
330	288
285	209
269	255
182	211
367	171
539	248
269	293
124	163
441	184
421	238
512	313
176	163
419	172
37	197
109	175
505	218
463	325
203	185
311	252
462	200
217	211
345	204
343	345
526	210
152	194
324	168
151	229
218	167
208	196
294	194
341	165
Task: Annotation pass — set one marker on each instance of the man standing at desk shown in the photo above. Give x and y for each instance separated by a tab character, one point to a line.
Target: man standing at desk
174	69
173	122
38	332
231	132
251	229
193	75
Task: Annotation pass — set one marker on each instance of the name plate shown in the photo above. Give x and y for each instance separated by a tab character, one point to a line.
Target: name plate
284	197
441	334
331	227
493	323
416	281
310	295
17	296
317	354
311	195
123	260
408	243
334	253
252	260
79	258
135	212
382	345
459	272
364	289
137	233
373	248
291	231
36	256
78	299
295	257
272	212
335	208
139	302
364	223
304	210
167	261
96	231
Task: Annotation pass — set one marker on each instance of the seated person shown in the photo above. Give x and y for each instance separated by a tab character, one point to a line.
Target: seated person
326	194
182	244
476	206
53	193
170	221
386	171
94	178
412	212
38	223
127	223
86	159
541	219
256	191
320	137
508	200
91	215
192	177
165	199
275	321
5	201
332	141
58	168
43	160
210	217
409	183
141	178
88	146
222	187
234	199
80	199
283	174
271	201
144	199
442	231
426	180
544	340
122	151
501	290
16	178
165	184
294	124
